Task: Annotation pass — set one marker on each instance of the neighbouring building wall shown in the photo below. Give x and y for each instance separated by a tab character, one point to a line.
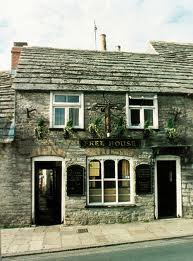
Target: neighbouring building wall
15	192
7	161
187	191
187	167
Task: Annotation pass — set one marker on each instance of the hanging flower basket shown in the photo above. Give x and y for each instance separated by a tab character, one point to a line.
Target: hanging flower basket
95	126
68	130
41	130
171	135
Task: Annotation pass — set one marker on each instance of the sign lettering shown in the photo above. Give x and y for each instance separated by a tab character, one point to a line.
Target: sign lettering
109	143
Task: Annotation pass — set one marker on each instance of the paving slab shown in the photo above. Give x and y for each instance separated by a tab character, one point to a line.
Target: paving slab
35	245
41	239
70	240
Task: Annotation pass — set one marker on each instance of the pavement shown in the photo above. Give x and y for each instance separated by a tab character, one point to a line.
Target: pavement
45	239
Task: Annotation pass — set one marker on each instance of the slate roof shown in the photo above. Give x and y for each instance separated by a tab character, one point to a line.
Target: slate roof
59	69
6	107
174	50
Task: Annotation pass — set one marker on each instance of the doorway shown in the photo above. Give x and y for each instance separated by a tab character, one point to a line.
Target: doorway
168	198
48	192
166	180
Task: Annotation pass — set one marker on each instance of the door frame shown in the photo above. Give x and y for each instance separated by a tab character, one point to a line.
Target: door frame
48	158
178	183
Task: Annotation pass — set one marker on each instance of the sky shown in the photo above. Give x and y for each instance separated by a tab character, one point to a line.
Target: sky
69	24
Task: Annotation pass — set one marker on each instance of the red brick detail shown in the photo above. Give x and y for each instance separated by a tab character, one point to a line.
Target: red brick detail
15	57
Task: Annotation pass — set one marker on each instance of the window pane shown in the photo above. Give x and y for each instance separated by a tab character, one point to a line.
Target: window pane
124	191
94	169
67	98
148	116
74	116
73	98
59	116
123	169
135	117
109	191
109	169
140	102
95	192
60	98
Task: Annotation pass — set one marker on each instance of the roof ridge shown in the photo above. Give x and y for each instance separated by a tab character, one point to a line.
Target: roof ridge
170	42
88	50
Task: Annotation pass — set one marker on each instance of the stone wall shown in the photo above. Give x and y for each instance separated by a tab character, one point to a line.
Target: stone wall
187	168
143	210
187	191
76	213
16	159
15	192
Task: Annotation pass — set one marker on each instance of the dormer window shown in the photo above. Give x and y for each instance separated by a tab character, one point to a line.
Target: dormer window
67	107
141	112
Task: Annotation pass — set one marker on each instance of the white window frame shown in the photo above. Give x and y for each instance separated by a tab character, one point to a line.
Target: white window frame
154	107
116	159
66	106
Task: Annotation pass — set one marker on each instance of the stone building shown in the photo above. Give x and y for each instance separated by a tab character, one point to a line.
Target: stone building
100	137
6	148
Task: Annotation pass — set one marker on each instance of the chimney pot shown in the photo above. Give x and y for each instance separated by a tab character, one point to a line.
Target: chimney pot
118	48
103	46
19	44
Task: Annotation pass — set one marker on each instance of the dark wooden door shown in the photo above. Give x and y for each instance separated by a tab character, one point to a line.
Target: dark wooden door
166	182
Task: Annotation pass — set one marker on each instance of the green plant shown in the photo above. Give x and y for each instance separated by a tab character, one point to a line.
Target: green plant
41	129
68	129
171	134
94	126
147	132
119	126
170	123
171	131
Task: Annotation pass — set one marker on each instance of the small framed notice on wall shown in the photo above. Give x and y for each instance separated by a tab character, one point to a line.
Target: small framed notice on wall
143	179
75	180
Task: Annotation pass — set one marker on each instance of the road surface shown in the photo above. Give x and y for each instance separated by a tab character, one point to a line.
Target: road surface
167	250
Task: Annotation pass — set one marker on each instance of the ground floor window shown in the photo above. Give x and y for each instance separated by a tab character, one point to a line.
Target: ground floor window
110	181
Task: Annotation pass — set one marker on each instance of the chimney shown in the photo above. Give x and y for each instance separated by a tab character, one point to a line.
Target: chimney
15	54
103	46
